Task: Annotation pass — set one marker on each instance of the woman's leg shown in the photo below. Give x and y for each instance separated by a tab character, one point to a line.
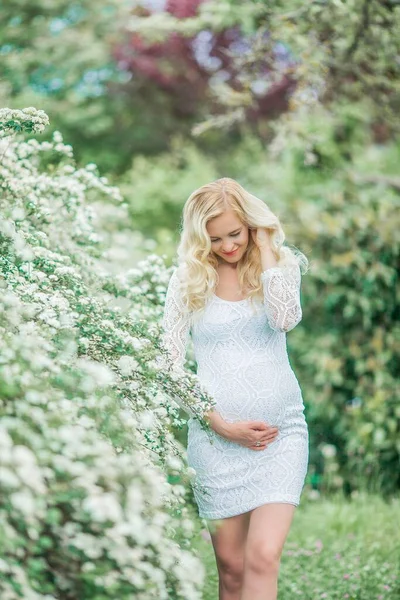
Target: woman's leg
229	538
268	528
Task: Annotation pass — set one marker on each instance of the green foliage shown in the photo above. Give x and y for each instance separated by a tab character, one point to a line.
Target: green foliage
334	52
345	201
340	51
105	114
155	188
82	86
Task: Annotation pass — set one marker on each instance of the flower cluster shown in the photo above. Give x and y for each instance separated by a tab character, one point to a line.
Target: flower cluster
27	120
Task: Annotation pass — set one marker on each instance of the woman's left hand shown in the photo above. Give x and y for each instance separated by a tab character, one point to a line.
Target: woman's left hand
261	237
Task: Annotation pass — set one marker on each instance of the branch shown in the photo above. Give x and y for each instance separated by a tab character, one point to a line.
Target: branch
364	24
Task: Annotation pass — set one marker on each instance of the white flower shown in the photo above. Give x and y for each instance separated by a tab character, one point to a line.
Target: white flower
137	343
24	502
174	462
8	478
88	543
57	137
328	450
99	372
103	507
7	228
314	494
127	365
18	214
27	469
147	419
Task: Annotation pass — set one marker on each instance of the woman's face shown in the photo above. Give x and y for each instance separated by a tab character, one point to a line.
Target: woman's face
228	234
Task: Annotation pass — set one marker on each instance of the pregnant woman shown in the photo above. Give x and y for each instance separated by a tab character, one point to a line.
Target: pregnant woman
236	291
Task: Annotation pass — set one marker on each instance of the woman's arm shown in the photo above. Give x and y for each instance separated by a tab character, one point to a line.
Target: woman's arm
281	287
174	339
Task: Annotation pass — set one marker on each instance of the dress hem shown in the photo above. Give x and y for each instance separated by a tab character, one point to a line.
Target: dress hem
271	500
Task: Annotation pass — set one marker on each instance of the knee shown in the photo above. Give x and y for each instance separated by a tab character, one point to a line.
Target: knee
231	572
263	559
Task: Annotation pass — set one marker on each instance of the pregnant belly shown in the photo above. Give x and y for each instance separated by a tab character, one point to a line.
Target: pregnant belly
264	392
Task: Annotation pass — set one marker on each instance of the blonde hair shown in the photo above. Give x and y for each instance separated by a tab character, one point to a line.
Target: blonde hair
197	265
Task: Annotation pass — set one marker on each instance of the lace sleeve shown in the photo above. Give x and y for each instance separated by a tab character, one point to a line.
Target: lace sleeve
281	287
174	339
175	324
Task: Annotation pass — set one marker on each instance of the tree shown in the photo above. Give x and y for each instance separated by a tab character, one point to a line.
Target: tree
187	66
339	52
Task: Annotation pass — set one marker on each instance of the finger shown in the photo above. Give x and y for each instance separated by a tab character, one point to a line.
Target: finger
267	438
257	442
269	433
263	435
262	447
259	425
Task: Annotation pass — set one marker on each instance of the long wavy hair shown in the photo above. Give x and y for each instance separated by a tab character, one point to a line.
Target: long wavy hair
197	264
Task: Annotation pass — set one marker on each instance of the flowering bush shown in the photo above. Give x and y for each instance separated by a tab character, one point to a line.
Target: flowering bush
87	509
27	119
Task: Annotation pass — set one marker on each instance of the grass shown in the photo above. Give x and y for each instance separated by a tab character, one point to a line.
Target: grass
336	549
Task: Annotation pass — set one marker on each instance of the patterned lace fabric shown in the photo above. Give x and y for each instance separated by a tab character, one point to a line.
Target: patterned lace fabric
242	362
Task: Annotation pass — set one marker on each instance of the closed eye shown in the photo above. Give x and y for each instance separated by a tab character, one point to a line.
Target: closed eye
232	235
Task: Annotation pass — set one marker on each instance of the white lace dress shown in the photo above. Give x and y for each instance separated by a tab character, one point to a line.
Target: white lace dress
242	362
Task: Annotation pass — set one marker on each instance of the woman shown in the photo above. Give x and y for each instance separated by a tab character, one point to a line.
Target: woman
237	291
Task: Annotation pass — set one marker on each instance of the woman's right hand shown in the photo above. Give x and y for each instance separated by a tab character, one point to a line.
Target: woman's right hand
248	433
245	433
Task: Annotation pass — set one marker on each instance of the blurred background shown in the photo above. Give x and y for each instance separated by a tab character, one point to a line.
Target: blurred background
298	101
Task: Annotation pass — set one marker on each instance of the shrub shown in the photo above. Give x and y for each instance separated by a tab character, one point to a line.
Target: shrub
87	507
